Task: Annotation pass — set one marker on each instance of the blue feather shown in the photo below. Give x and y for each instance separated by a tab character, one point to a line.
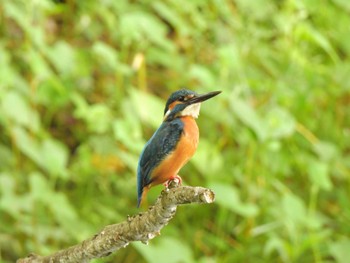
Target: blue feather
162	143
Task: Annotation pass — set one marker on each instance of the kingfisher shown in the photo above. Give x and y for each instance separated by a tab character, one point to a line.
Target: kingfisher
173	143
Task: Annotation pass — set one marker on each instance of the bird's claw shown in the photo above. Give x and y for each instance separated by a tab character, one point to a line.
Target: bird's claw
173	181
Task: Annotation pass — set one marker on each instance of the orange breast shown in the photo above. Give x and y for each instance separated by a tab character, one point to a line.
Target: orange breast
183	152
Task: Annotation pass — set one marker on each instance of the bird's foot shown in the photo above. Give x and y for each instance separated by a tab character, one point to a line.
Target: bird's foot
173	181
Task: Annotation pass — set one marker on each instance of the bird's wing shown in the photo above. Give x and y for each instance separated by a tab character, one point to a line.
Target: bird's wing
162	143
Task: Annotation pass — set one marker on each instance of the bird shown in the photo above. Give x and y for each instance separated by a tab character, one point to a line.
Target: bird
173	144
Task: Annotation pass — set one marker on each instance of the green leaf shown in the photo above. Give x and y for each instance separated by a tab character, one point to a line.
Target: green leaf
128	132
53	93
140	26
40	190
280	123
203	75
10	201
325	150
343	4
54	157
7	157
99	118
209	155
319	175
49	154
63	210
231	61
7	73
228	197
27	144
105	54
256	9
7	184
62	56
276	244
307	32
340	250
171	16
16	108
293	208
38	65
16	11
247	114
166	249
148	107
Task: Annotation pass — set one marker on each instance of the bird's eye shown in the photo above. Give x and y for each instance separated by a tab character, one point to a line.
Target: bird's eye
182	98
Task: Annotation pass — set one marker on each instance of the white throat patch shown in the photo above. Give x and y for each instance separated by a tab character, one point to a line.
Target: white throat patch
192	110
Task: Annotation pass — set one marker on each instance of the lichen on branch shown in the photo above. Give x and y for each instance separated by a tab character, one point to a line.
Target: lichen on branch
141	227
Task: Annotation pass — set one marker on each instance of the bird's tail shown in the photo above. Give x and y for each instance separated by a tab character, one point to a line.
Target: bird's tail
141	198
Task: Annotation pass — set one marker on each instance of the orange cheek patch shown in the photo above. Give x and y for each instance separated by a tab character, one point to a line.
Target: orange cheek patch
172	105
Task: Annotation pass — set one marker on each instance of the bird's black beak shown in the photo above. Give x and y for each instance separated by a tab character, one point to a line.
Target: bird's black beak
202	97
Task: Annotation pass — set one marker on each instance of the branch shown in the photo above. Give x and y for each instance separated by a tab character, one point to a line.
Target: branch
141	227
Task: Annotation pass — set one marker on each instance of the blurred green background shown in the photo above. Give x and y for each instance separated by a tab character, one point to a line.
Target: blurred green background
83	86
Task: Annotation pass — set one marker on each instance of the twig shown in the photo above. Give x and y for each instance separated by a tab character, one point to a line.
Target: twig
141	227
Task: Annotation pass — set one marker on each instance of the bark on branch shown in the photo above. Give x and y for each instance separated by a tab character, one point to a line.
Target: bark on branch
141	227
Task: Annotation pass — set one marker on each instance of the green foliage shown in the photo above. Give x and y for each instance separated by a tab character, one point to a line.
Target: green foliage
83	86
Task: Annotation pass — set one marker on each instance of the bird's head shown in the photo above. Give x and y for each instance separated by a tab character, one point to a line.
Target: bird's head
185	102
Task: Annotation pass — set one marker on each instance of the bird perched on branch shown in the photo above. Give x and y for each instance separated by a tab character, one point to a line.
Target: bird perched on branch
173	144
